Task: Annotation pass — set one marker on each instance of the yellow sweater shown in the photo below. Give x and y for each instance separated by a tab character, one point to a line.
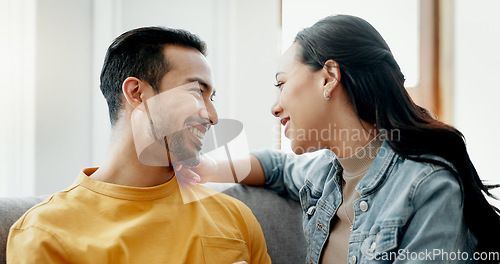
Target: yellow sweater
97	222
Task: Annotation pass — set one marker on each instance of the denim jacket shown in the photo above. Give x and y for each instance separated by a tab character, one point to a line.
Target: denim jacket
408	211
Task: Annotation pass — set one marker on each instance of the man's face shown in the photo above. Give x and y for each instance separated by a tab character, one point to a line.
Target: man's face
182	111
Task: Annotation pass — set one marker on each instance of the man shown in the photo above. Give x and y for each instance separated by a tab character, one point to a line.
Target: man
158	86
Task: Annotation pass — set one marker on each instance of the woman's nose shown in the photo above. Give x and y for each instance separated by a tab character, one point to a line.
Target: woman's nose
276	109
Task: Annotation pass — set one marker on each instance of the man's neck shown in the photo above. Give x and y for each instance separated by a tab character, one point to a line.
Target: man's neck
124	168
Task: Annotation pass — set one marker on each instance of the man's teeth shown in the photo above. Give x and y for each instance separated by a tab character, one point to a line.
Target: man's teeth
196	132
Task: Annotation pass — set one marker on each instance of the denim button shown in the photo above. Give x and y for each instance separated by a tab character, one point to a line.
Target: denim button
311	211
363	206
353	260
373	246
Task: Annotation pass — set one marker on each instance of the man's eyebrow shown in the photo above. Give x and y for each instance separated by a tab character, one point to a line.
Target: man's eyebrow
206	86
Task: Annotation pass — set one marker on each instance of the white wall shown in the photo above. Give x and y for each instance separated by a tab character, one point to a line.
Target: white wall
476	83
63	89
17	119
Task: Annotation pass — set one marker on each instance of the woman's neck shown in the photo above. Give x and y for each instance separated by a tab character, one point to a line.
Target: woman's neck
349	140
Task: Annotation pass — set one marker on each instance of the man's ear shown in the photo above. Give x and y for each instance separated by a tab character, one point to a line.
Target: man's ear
133	89
332	77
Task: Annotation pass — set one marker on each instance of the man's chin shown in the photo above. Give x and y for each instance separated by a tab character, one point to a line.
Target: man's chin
188	159
183	149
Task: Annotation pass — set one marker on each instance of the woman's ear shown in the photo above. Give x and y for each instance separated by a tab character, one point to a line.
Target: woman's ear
332	77
132	89
332	71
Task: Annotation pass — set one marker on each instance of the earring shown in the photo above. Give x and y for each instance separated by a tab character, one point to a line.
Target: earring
324	95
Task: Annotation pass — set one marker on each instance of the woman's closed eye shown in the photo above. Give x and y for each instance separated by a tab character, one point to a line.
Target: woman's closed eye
279	85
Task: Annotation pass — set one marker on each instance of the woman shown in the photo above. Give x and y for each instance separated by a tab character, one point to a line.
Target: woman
394	184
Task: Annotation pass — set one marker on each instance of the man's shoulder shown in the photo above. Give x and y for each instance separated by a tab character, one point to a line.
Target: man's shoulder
52	210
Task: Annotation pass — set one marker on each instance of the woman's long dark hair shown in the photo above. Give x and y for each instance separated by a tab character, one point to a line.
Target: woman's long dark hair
375	85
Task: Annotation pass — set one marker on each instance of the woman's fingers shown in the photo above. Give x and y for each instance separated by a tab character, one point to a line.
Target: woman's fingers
186	175
197	174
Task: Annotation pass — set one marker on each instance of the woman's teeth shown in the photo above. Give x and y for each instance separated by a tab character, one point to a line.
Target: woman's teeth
196	132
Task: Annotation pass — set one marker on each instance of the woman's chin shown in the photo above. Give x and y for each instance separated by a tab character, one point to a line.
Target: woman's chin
298	151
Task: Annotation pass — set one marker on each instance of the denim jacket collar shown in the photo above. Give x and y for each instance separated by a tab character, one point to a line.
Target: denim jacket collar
376	174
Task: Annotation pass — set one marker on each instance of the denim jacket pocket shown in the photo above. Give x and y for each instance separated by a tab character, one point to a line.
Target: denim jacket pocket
378	244
308	200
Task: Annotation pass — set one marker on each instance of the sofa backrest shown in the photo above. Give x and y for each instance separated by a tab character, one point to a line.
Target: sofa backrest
281	221
10	210
279	217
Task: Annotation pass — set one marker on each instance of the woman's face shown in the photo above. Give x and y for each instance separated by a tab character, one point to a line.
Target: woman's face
301	106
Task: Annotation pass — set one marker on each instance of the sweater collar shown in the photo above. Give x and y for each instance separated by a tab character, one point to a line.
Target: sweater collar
125	192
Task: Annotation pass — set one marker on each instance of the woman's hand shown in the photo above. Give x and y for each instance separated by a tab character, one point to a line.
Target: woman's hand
204	172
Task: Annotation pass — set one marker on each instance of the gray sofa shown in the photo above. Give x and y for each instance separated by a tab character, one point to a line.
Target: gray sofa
279	217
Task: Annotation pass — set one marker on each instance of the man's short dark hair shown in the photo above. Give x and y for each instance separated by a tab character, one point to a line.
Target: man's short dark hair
139	53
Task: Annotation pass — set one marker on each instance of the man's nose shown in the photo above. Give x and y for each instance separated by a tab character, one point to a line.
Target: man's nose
210	113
